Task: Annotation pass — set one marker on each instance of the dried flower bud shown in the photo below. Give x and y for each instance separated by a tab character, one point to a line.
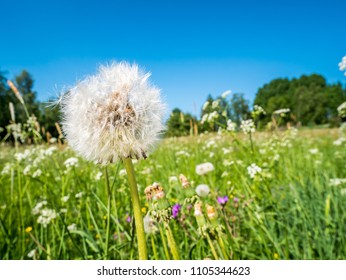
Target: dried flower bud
198	209
211	212
184	182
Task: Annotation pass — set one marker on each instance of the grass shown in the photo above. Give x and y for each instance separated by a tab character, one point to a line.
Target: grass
290	210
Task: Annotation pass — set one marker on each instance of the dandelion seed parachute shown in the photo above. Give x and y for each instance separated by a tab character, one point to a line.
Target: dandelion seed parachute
113	115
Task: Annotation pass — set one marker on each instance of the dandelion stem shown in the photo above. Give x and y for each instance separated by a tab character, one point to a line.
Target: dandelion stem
164	244
142	247
216	257
108	213
171	242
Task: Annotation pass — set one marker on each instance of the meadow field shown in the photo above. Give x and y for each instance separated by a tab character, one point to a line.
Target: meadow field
278	195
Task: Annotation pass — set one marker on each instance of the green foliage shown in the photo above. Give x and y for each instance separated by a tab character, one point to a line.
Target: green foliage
180	124
310	99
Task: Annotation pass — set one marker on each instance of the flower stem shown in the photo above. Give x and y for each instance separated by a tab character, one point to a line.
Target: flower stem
171	242
142	247
108	213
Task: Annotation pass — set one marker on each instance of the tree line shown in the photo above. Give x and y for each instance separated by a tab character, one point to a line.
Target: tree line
309	98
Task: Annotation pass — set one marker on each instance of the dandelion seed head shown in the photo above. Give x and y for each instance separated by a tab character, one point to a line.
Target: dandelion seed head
113	115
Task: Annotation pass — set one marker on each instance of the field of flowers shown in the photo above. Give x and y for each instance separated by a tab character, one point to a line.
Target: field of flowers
281	195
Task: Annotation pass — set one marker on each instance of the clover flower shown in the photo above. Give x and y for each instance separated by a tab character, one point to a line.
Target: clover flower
113	115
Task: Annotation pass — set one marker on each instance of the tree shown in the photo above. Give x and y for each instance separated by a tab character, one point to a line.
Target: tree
180	124
239	108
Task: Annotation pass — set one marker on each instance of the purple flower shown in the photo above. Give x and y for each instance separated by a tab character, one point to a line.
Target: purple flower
175	210
236	199
128	218
222	200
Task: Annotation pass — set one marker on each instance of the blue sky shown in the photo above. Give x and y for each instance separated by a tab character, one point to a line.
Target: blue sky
192	48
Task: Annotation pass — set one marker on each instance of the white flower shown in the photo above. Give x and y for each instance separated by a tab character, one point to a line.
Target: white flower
281	112
258	110
50	151
204	118
26	170
204	168
247	126
71	162
37	173
206	104
114	114
71	227
98	176
38	207
342	64
79	195
202	190
226	93
342	110
173	179
32	253
65	198
231	126
313	151
253	170
122	172
215	104
337	181
22	156
46	216
7	169
149	225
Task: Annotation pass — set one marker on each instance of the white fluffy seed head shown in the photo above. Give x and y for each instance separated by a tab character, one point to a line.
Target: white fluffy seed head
113	115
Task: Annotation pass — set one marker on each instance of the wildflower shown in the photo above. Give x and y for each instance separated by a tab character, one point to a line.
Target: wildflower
71	227
65	198
253	170
71	162
38	207
222	200
231	126
128	218
175	210
247	126
46	216
21	156
28	229
198	209
149	225
211	213
98	176
258	110
122	172
32	253
342	110
50	151
337	181
173	179
313	151
184	182
7	169
202	190
215	104
281	112
37	173
226	93
205	105
204	168
26	170
79	195
342	64
113	115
